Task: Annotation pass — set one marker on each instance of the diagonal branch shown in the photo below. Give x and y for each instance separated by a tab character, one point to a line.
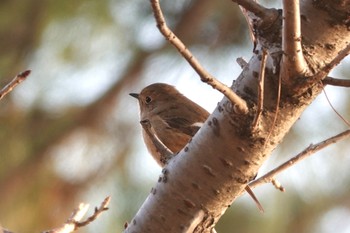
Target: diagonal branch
166	155
293	62
341	55
15	81
267	15
336	82
312	149
95	112
73	223
239	103
333	108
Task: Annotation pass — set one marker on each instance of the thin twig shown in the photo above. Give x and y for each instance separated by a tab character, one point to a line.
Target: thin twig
72	224
293	63
336	82
268	177
255	199
98	211
241	62
336	112
69	226
240	104
15	81
279	90
341	55
260	104
320	76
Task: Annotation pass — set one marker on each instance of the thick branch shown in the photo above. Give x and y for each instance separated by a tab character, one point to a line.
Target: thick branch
266	15
293	63
239	103
197	185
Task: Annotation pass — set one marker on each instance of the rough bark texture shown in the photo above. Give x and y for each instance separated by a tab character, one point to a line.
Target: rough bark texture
197	186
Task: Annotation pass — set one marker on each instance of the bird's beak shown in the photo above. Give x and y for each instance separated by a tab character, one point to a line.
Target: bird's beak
135	95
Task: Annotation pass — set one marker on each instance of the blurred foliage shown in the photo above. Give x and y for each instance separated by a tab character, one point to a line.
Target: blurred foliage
70	133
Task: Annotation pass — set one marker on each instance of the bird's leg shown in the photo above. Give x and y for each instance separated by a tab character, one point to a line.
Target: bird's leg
165	153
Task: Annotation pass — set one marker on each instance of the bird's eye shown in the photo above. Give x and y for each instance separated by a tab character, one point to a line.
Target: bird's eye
148	99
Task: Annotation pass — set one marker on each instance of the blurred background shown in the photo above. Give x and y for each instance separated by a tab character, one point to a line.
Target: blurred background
70	133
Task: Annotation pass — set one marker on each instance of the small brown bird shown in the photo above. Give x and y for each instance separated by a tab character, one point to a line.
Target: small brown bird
174	120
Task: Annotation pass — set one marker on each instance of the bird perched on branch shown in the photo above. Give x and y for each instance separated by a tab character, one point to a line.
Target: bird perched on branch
169	121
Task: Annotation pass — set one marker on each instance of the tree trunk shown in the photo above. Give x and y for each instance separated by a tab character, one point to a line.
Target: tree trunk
203	180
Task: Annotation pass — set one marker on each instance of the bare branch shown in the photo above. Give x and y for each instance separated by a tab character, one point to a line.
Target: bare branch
293	63
252	6
260	90
250	23
257	9
336	82
341	55
241	62
240	104
252	195
15	81
320	76
336	112
98	211
166	154
268	177
73	223
69	226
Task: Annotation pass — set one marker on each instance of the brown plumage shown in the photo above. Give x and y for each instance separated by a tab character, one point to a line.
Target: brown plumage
174	118
174	123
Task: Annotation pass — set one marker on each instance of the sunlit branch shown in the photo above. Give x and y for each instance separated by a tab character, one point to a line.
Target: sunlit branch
239	103
256	8
293	62
74	223
312	149
241	62
341	55
15	81
321	76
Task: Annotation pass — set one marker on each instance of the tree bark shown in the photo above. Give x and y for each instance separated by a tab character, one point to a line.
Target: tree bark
203	180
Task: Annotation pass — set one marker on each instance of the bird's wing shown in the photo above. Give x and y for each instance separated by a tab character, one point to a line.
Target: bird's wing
183	125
